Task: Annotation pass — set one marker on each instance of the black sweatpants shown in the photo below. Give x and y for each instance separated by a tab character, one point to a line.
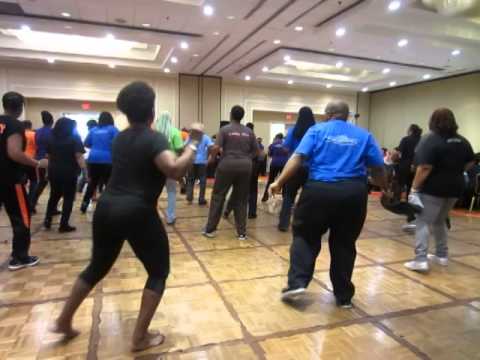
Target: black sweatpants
197	171
32	177
41	185
99	174
252	195
14	199
341	208
272	175
61	187
120	218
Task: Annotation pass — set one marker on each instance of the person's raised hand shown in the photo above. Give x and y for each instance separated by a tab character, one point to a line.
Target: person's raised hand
196	131
275	188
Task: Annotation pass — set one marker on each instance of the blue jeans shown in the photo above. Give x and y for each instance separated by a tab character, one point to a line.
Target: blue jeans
171	186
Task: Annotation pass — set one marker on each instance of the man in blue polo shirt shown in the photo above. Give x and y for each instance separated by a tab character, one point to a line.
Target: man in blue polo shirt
334	199
199	171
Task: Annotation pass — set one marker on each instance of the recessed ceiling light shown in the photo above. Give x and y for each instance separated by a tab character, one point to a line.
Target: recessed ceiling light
184	45
456	52
66	14
328	86
340	32
265	69
393	83
51	60
365	89
25	28
331	49
146	25
290	82
196	55
110	37
394	5
386	71
427	76
248	78
298	28
403	43
208	10
166	70
111	66
216	33
339	65
287	58
231	17
68	27
173	60
276	42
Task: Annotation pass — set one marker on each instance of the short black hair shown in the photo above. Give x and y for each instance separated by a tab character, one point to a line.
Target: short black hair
27	124
105	119
415	130
91	124
250	126
137	102
13	102
279	136
237	113
47	118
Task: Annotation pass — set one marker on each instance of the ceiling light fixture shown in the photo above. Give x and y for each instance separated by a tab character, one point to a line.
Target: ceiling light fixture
208	10
66	14
456	52
298	28
393	83
265	69
26	28
339	65
110	37
111	66
290	82
196	55
231	17
147	25
365	89
427	76
276	42
216	33
248	78
394	5
331	49
402	43
184	45
173	60
340	32
68	27
51	60
386	71
166	70
328	86
287	58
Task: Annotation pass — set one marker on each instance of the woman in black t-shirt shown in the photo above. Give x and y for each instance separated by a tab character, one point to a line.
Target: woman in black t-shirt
441	158
65	153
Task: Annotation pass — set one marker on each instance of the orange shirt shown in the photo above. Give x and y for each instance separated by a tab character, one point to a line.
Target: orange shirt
185	135
31	146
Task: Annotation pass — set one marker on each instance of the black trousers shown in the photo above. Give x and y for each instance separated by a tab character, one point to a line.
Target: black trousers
32	177
252	195
99	174
120	218
197	171
41	185
341	208
14	198
272	175
61	187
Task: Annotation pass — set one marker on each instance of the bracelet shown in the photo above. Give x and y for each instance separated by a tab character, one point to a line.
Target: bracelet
193	147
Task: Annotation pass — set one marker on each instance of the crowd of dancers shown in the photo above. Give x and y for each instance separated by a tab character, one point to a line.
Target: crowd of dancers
331	162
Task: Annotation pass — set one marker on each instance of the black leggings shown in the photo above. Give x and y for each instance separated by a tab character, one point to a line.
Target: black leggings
120	218
99	175
272	175
61	187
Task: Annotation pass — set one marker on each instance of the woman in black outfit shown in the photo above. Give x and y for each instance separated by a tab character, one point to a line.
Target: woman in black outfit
65	153
127	210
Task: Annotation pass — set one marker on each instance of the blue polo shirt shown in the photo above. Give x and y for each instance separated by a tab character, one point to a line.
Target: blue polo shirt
42	138
338	150
100	140
291	143
202	153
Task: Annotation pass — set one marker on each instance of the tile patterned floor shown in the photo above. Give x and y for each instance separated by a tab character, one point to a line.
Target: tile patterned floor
222	300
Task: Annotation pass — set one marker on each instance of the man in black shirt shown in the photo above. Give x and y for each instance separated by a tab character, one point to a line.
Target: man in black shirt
12	188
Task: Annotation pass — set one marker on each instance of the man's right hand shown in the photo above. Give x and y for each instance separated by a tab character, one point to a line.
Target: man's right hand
275	188
43	163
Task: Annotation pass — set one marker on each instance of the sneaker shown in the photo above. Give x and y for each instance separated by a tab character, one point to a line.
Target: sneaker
442	261
16	264
252	216
84	208
210	235
242	237
56	213
282	229
414	265
171	223
226	214
408	228
47	224
202	203
66	229
265	198
344	304
290	294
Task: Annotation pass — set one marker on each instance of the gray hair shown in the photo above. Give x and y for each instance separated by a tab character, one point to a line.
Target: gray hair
337	109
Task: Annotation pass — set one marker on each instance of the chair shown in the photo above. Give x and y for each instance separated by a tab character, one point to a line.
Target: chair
476	193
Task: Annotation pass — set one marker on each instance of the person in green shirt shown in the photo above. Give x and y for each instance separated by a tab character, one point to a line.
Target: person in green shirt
164	126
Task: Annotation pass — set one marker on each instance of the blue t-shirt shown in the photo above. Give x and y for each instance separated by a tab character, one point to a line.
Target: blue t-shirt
202	152
42	139
99	140
278	153
338	151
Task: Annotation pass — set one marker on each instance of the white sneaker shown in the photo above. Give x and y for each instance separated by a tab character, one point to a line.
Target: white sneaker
209	235
442	261
420	266
414	200
409	228
242	237
289	294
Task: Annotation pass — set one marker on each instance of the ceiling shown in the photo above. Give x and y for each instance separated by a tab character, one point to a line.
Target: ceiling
294	42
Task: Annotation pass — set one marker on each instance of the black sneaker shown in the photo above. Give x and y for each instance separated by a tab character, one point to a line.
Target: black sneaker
56	213
202	203
344	304
226	214
290	294
47	224
16	264
252	216
282	229
84	208
66	229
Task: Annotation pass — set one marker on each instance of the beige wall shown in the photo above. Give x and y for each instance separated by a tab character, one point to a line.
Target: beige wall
392	111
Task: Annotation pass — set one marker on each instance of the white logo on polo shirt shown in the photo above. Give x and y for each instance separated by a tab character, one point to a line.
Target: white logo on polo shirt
342	140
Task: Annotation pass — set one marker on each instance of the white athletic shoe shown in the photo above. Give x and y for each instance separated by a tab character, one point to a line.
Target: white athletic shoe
209	235
442	261
414	265
242	237
414	200
409	228
289	294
